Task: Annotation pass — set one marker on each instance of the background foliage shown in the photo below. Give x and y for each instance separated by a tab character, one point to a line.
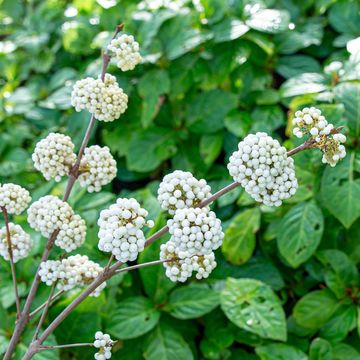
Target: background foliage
287	282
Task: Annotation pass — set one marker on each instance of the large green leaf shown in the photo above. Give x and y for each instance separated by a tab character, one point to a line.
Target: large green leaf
349	95
314	309
253	306
345	352
268	20
300	233
340	190
159	144
340	272
280	352
344	16
133	317
320	349
165	343
229	29
206	112
239	240
190	302
307	83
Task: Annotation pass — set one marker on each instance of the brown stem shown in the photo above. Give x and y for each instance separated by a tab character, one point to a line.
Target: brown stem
44	313
139	266
51	347
74	173
32	314
11	259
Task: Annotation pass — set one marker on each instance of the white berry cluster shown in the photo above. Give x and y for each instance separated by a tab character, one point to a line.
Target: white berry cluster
195	231
263	168
310	121
73	271
54	156
121	229
49	214
333	150
126	51
180	269
104	343
14	198
97	168
20	242
180	190
104	99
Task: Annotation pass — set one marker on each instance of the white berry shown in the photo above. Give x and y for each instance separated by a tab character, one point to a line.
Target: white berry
14	198
180	190
104	343
126	51
20	242
203	265
195	231
121	229
54	156
104	99
266	172
97	169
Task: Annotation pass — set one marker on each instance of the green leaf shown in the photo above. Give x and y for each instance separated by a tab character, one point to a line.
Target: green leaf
207	110
269	20
300	233
341	186
320	349
190	302
340	324
349	95
252	306
133	317
279	352
159	144
345	352
165	343
314	309
151	86
210	147
307	83
294	65
340	272
229	29
239	240
344	16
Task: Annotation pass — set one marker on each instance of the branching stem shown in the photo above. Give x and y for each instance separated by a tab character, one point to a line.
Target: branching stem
11	259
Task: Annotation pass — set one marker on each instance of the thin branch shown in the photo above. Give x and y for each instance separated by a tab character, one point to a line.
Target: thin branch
52	347
44	313
139	266
74	172
11	259
32	314
109	263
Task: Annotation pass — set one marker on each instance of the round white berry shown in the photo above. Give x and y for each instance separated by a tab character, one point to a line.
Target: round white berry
54	156
104	99
267	173
97	169
72	233
203	265
73	271
333	150
121	229
20	242
126	52
104	343
48	214
14	198
195	231
176	268
180	190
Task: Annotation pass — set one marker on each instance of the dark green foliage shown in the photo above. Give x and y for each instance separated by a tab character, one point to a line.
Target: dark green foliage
212	73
